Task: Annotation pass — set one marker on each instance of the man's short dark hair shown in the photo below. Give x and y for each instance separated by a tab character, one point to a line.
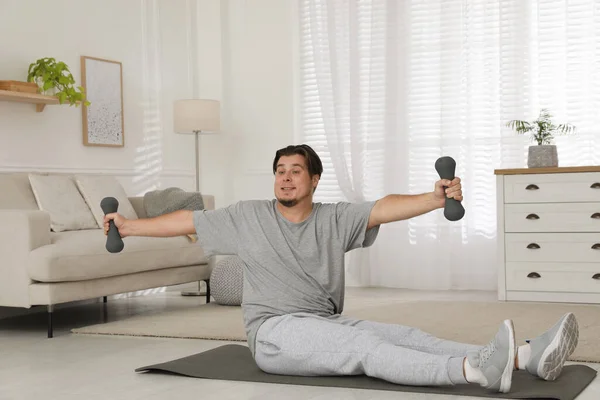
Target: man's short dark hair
313	162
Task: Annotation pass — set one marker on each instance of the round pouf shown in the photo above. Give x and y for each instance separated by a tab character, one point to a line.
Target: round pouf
226	281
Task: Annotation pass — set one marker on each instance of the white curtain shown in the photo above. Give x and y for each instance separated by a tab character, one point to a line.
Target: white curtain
386	87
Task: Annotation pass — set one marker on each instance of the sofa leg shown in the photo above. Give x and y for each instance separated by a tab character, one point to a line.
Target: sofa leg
50	328
207	291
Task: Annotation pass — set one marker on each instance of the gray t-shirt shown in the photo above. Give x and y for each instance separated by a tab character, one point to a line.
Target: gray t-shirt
289	267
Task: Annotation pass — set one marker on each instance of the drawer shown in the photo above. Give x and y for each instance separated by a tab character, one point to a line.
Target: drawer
552	217
552	247
553	277
552	188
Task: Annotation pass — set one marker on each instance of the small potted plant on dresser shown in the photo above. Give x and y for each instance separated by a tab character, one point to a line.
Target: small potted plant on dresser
542	131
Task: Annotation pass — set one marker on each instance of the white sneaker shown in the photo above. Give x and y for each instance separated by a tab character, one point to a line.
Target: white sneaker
496	360
550	350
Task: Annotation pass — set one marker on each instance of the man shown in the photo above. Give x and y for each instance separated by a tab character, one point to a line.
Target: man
293	250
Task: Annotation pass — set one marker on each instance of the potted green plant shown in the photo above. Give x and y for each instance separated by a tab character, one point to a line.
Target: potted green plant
542	131
54	78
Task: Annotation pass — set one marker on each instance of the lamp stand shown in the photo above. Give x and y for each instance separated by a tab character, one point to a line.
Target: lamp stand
196	292
197	163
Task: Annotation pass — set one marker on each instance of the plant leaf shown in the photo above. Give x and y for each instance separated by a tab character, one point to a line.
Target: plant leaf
48	73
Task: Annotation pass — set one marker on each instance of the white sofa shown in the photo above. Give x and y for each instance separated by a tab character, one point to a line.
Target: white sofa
41	267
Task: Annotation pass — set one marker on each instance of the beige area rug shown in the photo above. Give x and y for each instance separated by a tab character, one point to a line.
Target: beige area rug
463	321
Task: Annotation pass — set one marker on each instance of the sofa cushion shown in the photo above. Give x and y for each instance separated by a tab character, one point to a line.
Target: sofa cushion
81	255
59	197
96	187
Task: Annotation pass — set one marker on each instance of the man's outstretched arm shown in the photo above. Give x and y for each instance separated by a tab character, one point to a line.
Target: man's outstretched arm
397	207
177	223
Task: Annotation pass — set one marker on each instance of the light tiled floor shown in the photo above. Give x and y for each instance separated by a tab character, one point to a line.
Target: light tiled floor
102	367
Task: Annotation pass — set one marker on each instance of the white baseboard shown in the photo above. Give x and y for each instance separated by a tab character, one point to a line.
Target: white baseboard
95	171
8	312
184	287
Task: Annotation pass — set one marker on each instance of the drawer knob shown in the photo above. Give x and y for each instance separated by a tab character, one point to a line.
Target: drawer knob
533	246
595	216
532	187
535	216
596	276
596	246
534	275
595	185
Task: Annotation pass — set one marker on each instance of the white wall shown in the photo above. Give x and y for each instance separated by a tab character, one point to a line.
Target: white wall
152	41
258	89
239	52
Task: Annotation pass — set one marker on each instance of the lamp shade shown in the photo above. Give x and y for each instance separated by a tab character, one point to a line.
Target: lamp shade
194	115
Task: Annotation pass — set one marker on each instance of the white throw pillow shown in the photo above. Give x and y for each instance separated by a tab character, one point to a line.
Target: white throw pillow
96	187
58	195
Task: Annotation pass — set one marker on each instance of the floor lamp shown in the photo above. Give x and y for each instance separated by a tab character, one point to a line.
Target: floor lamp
198	117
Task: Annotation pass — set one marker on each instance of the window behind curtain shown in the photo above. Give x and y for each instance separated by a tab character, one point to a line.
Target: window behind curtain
387	87
343	88
442	78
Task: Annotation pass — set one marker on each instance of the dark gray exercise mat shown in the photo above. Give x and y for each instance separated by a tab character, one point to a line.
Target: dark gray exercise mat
234	362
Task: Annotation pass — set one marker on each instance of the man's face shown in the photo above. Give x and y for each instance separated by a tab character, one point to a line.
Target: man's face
293	183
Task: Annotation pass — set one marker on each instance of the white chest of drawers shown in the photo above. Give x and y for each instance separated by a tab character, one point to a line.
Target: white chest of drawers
549	234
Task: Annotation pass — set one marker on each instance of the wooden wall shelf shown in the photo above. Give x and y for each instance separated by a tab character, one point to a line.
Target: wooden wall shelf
39	100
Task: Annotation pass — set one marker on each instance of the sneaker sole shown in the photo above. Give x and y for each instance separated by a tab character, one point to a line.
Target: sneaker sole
562	346
506	380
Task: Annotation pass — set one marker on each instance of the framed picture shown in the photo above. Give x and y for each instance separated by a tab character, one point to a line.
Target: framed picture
103	123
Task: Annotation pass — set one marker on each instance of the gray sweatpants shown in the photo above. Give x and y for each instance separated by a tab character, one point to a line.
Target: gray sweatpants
309	345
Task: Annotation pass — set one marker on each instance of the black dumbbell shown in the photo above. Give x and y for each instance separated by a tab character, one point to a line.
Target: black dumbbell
114	242
446	167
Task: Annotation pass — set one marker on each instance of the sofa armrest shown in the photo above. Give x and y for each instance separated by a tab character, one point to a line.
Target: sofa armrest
138	204
21	231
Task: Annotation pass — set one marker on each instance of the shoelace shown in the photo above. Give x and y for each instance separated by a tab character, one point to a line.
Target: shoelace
486	352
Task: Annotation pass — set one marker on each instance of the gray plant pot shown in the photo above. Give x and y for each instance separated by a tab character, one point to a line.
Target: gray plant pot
542	156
